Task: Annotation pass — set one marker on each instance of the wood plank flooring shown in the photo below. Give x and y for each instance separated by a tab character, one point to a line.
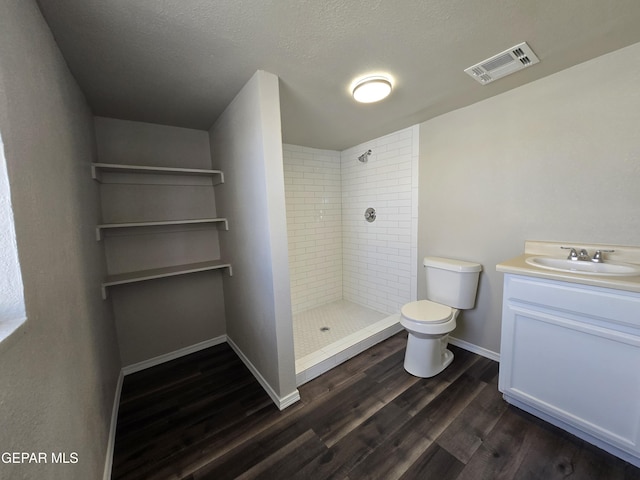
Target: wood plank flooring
205	417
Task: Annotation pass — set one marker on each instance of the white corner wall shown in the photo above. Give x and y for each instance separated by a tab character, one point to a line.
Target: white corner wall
246	143
557	159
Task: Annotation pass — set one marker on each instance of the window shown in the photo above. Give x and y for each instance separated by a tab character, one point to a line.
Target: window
12	310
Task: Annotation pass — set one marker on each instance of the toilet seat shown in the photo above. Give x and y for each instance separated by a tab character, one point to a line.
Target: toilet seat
425	311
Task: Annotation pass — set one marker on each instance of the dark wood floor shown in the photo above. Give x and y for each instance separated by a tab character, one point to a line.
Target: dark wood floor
205	417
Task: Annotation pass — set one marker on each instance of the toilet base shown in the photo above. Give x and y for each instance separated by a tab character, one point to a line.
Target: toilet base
426	355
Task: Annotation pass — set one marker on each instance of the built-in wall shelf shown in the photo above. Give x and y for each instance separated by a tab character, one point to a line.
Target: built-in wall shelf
98	168
216	176
108	226
144	275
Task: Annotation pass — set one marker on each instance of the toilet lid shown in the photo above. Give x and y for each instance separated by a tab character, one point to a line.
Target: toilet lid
426	311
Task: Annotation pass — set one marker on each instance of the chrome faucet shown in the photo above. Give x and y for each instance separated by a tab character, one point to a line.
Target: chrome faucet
598	258
573	255
584	256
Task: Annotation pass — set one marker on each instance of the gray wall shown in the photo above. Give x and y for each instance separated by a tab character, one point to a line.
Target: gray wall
161	316
58	372
246	144
557	160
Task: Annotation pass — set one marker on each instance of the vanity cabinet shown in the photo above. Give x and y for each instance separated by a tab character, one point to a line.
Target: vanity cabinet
570	354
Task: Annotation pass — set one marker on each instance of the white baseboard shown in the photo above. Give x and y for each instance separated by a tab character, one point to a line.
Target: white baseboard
111	441
288	400
152	362
281	402
483	352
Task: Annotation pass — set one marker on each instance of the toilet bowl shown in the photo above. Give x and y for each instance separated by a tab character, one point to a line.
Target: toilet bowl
428	324
451	285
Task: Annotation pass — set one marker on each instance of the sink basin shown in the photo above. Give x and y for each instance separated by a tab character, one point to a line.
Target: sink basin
586	268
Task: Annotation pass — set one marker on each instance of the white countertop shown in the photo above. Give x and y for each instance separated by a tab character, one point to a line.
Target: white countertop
626	254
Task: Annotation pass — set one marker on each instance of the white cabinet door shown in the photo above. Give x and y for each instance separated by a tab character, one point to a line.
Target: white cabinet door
569	363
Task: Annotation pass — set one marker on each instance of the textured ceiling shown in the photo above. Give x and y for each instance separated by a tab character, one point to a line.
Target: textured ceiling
181	62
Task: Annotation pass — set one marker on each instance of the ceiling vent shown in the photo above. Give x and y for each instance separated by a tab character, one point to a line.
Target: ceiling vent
505	63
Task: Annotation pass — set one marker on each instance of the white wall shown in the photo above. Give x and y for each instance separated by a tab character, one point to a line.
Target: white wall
59	370
246	143
314	225
557	160
380	258
161	316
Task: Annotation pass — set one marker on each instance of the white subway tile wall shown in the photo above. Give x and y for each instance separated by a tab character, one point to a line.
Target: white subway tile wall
379	258
314	225
334	252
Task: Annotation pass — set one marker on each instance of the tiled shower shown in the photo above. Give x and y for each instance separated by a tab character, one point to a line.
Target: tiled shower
314	225
335	255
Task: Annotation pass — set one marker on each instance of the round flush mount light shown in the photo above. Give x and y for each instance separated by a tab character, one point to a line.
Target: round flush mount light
371	89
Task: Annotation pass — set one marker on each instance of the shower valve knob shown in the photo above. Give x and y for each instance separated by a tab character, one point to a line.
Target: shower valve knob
370	214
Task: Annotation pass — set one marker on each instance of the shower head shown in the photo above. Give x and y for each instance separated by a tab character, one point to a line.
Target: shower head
364	157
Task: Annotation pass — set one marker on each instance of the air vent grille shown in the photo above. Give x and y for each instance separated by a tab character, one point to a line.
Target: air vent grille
503	64
499	61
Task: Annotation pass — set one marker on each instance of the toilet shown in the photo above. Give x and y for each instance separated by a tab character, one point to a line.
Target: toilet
451	286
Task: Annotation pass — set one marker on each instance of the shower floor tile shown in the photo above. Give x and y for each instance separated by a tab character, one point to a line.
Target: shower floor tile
352	329
320	327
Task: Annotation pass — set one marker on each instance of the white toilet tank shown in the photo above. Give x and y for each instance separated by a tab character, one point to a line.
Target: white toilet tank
452	282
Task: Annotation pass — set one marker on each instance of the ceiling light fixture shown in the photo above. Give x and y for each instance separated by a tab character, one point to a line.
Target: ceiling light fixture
371	89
